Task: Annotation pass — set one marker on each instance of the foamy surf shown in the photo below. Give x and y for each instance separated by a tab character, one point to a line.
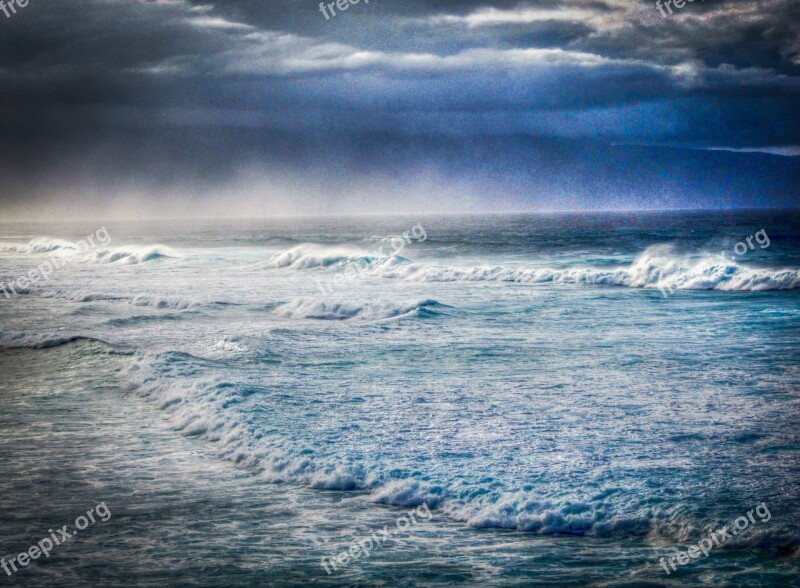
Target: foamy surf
658	267
10	340
568	402
131	255
41	245
207	408
368	311
307	256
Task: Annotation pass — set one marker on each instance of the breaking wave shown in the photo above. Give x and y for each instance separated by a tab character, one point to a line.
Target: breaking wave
205	407
10	341
122	254
309	255
133	255
659	266
656	267
328	310
41	245
173	303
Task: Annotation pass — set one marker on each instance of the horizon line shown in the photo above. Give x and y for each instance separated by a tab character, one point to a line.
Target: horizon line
566	211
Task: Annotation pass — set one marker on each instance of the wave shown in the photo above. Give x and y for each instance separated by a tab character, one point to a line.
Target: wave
173	303
131	255
130	321
41	245
9	341
309	255
123	254
202	405
657	267
202	408
328	310
660	267
77	295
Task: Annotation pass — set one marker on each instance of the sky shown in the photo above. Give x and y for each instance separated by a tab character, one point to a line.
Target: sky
171	108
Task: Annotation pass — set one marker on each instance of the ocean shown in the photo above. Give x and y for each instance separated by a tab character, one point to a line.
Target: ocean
483	400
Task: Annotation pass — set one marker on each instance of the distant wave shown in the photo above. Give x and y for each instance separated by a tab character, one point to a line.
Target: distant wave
40	341
656	267
130	321
173	303
309	255
660	267
40	245
124	254
133	255
328	310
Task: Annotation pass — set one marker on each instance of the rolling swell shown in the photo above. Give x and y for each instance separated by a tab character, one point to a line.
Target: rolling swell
9	341
659	266
656	267
329	310
132	255
200	404
129	254
309	255
40	245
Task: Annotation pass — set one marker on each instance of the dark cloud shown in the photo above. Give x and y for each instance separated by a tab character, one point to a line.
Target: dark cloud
202	99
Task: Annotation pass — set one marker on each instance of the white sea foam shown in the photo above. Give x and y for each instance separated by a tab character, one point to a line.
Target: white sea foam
201	406
310	255
129	254
656	267
41	245
302	308
659	266
132	254
174	303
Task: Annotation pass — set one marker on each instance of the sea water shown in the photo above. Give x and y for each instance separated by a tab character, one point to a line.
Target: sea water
573	396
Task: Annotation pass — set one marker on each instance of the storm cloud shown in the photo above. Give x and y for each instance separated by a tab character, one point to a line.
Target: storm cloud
174	107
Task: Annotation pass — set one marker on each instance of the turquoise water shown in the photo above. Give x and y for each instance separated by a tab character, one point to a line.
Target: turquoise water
574	397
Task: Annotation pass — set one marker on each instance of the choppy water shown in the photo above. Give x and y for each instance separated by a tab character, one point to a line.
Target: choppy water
574	397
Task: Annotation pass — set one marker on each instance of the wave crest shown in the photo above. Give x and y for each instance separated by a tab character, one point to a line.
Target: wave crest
41	245
657	267
328	310
9	341
199	404
131	255
309	255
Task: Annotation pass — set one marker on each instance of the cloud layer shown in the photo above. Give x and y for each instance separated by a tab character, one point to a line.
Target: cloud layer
104	96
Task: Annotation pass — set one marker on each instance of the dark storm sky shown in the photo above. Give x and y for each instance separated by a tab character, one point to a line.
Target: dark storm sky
170	107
